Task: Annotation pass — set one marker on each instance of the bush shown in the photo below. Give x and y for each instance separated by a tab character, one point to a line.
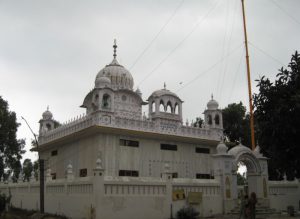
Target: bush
187	213
3	201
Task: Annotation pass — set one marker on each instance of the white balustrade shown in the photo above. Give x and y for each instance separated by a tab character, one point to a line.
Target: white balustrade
173	128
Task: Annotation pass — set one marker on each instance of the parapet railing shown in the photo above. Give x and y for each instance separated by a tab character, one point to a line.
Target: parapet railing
161	127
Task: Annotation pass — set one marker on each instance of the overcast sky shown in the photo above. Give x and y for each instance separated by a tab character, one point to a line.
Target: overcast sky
51	51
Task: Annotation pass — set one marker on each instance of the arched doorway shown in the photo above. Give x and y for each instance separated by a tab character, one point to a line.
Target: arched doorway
257	175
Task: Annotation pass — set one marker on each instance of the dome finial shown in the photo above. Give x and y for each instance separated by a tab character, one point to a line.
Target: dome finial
165	86
115	48
48	108
212	96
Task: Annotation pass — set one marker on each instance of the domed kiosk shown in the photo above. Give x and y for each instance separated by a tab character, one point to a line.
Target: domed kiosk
113	94
164	104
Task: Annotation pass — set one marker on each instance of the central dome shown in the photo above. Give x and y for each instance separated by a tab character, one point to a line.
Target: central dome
119	76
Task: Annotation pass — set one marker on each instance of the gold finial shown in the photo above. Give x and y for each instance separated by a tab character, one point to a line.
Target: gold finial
115	48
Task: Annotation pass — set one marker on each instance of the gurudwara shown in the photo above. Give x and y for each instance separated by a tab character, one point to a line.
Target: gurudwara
116	162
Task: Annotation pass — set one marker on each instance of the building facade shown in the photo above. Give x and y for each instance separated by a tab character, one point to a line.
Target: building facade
129	143
116	162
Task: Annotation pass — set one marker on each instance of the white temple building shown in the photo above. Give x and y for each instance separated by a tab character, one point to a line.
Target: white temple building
131	144
116	163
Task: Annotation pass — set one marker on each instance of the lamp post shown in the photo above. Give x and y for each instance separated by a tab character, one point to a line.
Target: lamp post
41	165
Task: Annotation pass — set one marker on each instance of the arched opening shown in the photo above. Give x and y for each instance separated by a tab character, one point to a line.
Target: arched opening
48	126
217	119
176	108
242	184
248	172
161	106
209	119
106	101
169	107
153	107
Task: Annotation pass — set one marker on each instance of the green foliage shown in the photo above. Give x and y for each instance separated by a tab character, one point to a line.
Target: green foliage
11	149
36	169
241	179
3	201
187	213
278	118
198	123
236	124
27	169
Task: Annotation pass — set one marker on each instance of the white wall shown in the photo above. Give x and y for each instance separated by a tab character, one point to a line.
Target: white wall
283	194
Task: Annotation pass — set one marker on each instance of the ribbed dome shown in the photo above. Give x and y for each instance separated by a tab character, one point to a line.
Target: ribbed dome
162	92
102	82
119	76
212	104
47	114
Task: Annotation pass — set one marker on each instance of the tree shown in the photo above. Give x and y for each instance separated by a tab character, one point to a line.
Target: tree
11	148
36	169
198	123
27	169
241	179
277	113
236	124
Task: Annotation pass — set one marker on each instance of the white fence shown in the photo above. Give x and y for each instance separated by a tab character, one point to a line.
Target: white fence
283	194
118	197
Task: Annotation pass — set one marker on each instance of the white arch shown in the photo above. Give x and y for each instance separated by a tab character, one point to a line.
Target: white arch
245	155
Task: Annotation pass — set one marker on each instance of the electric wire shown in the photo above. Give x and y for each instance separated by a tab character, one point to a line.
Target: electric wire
229	43
179	44
157	35
235	78
286	12
223	48
211	67
266	54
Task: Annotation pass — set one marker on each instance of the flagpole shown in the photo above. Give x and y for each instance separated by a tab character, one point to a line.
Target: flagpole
249	81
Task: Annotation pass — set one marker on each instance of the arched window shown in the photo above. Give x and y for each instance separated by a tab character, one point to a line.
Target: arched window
96	97
106	101
153	107
161	106
217	119
176	110
227	188
169	107
48	126
209	119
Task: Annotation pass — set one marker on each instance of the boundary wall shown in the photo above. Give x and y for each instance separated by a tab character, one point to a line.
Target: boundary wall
116	197
129	197
283	194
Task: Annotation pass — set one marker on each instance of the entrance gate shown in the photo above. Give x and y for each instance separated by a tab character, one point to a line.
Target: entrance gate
225	168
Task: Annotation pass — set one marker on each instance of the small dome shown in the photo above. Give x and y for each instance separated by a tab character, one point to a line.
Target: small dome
102	82
163	92
119	76
138	92
47	114
222	148
257	152
212	104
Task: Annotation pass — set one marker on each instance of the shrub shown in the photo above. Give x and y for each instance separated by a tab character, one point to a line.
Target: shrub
187	213
3	201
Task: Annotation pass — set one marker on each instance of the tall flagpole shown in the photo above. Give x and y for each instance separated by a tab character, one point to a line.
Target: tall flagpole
249	81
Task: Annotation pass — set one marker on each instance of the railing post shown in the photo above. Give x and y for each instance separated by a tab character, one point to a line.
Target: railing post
98	188
167	176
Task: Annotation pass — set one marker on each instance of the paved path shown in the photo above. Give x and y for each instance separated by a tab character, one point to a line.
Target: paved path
257	217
